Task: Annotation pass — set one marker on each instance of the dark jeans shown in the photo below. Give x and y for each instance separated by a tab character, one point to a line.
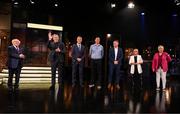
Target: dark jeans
17	72
96	68
114	69
80	68
54	66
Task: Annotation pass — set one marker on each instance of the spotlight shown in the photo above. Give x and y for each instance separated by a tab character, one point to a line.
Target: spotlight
56	5
131	5
113	5
16	3
32	2
177	2
174	15
142	13
108	35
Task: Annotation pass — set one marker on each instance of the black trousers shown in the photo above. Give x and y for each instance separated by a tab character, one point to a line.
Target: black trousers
77	67
54	66
137	80
17	72
96	68
114	69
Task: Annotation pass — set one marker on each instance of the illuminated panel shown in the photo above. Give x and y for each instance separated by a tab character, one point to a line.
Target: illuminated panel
42	26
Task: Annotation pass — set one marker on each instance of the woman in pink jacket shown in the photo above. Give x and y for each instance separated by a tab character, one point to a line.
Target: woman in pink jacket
160	66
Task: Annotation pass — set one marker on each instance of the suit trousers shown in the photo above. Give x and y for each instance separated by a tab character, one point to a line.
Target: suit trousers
114	69
77	67
17	72
54	66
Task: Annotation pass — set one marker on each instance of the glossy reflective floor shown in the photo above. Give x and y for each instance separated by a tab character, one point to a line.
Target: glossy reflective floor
129	99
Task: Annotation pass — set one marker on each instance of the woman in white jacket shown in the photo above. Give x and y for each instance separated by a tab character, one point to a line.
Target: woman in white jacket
136	69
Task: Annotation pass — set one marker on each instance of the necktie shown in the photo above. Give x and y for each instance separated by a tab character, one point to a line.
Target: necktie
79	46
17	48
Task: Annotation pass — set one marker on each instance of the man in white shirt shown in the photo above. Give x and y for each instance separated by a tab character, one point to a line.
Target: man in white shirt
115	61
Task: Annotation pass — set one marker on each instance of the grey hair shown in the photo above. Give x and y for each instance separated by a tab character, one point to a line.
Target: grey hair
160	46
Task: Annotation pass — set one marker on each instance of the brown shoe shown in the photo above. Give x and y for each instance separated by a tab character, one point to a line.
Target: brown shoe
109	85
117	86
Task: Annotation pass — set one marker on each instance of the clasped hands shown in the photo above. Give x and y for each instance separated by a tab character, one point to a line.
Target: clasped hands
58	50
22	56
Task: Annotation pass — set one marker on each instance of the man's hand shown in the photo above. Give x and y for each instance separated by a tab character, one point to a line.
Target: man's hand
79	59
116	62
58	50
50	36
21	56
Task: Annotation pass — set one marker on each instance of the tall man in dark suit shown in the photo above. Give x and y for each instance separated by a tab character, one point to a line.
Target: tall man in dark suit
78	54
56	57
14	63
115	60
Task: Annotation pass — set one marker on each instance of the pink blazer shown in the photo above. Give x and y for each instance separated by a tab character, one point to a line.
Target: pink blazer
165	60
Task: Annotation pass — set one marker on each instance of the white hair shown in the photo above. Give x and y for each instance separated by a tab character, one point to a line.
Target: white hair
160	46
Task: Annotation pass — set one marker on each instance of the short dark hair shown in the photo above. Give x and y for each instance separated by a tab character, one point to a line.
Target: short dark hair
116	41
79	36
54	32
97	37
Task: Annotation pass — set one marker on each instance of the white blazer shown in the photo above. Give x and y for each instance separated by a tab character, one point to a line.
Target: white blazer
139	68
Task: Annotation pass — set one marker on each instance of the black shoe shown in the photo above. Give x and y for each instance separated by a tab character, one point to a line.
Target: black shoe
73	85
10	88
16	88
52	88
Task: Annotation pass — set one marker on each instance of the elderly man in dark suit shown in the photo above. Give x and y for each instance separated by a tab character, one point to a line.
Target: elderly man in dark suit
56	57
78	54
115	61
14	63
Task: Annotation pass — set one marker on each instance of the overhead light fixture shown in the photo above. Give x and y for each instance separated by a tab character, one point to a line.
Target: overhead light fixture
131	5
177	2
16	3
108	35
56	5
174	15
113	5
142	13
32	2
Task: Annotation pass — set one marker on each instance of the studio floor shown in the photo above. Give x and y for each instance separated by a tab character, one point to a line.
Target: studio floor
129	99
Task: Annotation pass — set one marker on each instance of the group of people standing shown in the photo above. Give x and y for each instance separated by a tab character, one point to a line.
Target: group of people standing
96	53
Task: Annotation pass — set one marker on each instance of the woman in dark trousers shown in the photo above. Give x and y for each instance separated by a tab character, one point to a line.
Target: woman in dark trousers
136	69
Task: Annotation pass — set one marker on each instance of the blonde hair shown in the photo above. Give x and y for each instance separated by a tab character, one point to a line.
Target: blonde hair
160	46
136	50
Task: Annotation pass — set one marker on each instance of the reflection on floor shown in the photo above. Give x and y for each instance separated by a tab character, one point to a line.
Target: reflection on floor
129	99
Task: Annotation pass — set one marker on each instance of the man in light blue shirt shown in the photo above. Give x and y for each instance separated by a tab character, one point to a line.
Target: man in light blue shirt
96	53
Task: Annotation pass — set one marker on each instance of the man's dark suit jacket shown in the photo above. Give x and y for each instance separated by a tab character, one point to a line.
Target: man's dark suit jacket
53	55
14	61
76	53
112	56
